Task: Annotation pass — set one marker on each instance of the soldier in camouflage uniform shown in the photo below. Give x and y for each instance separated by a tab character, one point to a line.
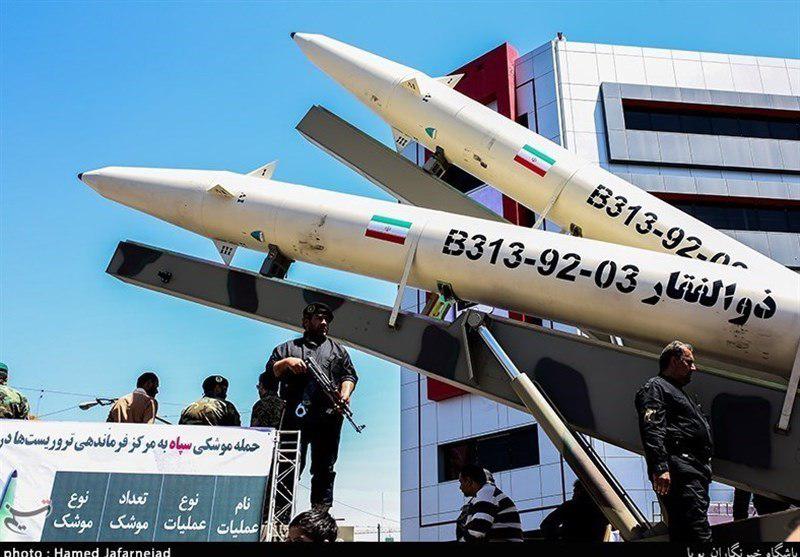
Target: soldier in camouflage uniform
13	405
212	409
268	409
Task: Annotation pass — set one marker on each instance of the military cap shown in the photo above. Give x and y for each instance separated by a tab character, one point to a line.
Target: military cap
318	307
212	380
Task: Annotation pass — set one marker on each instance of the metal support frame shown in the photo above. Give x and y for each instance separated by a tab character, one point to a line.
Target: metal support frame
284	478
393	173
606	491
592	384
791	395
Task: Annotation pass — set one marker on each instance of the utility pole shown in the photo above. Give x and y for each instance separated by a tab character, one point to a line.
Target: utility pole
382	515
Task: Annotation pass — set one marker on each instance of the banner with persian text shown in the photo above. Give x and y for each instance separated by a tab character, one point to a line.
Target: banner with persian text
74	481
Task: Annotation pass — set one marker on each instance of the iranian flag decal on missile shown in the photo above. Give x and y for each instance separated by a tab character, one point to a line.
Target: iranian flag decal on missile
534	160
388	229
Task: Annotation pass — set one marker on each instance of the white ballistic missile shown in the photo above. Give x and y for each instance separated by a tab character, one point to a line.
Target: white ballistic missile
730	314
519	162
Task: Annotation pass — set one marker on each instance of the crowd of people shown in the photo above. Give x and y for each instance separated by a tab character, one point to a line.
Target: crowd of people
289	400
676	436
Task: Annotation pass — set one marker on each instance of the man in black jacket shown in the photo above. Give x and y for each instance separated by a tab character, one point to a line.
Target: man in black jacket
576	520
307	408
677	445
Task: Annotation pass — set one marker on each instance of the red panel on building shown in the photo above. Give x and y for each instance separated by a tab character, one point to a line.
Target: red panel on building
439	391
486	79
491	78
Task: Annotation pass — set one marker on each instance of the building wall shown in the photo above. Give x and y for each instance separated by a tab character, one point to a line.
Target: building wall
732	79
558	93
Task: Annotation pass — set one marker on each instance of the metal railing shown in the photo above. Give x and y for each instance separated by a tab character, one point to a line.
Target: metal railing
282	486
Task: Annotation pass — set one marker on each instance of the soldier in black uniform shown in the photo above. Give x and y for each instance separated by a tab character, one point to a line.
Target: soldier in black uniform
677	445
307	408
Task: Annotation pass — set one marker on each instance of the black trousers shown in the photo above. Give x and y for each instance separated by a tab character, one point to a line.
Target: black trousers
322	434
686	507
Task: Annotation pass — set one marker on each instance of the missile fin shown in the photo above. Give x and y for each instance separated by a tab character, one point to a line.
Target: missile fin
401	140
220	190
265	171
412	85
450	80
226	250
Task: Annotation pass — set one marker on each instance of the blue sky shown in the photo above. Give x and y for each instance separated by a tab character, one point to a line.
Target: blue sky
221	86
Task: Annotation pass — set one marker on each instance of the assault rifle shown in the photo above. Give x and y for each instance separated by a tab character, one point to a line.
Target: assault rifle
329	389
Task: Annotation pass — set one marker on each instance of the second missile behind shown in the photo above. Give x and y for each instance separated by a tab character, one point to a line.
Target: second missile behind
519	162
730	314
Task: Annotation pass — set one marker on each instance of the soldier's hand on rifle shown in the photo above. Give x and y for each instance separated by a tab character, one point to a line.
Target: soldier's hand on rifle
295	365
346	391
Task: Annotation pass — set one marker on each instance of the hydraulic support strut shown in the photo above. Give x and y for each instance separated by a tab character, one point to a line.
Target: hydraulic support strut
791	394
609	496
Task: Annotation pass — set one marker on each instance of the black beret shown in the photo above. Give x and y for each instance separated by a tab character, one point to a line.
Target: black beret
318	307
212	380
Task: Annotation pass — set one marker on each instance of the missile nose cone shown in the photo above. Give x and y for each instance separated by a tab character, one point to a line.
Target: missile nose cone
156	191
172	195
303	40
90	178
368	76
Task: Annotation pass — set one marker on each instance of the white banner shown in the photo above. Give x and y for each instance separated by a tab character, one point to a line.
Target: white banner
74	481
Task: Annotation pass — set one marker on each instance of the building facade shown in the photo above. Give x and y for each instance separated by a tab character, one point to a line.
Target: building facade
717	135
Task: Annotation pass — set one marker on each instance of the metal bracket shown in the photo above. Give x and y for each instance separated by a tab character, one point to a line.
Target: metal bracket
437	306
791	394
437	165
552	202
276	265
549	206
473	320
412	251
447	292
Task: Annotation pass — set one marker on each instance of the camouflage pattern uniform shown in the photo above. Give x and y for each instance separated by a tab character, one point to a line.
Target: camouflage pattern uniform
210	411
267	411
13	405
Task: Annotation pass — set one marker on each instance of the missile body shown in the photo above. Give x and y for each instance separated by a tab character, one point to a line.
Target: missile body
731	314
519	162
